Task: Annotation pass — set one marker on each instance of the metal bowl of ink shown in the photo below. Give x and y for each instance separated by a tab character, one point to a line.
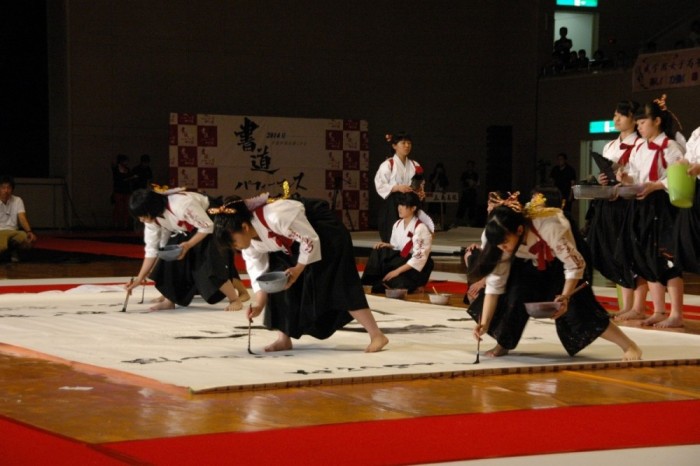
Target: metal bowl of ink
170	252
272	282
441	298
542	310
396	293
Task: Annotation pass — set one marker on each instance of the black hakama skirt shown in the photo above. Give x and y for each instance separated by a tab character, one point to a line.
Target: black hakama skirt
646	243
388	215
687	236
584	321
603	235
384	260
318	303
203	271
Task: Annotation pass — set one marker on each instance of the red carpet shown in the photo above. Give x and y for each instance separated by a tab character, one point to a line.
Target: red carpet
133	251
104	248
22	444
407	441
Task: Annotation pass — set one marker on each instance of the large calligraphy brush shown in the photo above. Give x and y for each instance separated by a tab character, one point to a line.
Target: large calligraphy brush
128	293
143	292
250	323
478	344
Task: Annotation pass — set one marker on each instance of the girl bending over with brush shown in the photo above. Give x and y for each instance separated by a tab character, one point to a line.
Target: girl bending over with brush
307	241
530	255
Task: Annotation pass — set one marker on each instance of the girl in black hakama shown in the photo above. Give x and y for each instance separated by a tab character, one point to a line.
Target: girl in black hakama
405	261
608	218
646	244
532	257
180	217
312	246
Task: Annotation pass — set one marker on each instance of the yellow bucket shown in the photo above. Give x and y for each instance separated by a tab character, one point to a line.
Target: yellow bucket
681	186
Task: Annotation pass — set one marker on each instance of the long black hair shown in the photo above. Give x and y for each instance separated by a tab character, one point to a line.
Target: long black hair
501	221
657	109
627	107
231	219
147	203
409	199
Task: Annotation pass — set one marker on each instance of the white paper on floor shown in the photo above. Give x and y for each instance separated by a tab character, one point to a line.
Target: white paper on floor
202	347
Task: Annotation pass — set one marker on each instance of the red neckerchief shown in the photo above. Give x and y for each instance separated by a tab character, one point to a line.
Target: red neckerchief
542	250
408	247
187	226
625	157
658	155
281	240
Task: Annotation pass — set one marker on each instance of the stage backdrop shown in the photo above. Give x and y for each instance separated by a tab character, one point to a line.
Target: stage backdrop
246	155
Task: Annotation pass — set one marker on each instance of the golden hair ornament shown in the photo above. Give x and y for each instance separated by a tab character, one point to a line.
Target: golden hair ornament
537	207
512	202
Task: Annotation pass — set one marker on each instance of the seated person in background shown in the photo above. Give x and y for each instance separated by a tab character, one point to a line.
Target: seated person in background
12	213
405	261
583	60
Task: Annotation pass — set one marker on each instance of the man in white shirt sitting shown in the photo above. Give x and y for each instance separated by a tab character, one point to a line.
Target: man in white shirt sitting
13	215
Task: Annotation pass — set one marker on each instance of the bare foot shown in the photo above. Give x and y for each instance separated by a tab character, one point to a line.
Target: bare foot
163	305
496	351
377	343
241	289
234	306
244	296
670	322
633	353
283	343
654	319
159	299
631	314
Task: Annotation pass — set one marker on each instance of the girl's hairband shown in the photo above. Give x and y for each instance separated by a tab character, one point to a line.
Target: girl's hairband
512	202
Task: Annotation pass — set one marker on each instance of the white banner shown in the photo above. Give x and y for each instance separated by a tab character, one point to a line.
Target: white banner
442	197
247	155
677	68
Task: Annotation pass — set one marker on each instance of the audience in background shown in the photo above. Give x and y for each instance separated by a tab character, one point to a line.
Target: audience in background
12	216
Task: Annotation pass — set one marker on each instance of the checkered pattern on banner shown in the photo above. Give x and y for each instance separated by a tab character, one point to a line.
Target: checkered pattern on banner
192	165
347	173
207	154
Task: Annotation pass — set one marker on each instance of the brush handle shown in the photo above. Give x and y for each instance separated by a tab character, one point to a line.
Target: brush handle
578	288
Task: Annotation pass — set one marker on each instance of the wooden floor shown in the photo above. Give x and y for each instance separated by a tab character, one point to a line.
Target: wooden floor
31	391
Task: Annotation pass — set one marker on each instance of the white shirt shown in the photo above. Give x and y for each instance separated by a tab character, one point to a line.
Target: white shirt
692	153
555	231
186	211
612	150
387	176
286	218
422	241
643	157
9	212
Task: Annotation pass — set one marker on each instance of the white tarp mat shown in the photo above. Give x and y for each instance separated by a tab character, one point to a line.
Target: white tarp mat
203	348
